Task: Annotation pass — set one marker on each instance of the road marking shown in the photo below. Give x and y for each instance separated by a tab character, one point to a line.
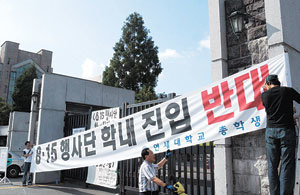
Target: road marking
15	187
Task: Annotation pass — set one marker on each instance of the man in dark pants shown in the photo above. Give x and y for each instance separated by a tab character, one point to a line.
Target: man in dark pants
27	153
148	182
280	135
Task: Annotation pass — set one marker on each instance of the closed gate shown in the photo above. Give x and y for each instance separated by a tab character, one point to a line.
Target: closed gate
192	166
72	122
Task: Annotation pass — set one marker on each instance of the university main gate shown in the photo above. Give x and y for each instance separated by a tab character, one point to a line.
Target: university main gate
73	121
192	166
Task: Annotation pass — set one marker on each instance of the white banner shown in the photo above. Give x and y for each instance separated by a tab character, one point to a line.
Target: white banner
104	174
226	108
103	117
3	158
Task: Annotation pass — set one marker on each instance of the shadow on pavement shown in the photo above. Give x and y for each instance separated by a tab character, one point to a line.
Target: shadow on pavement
66	189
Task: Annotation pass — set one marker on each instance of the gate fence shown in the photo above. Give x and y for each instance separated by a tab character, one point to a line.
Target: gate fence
75	121
192	166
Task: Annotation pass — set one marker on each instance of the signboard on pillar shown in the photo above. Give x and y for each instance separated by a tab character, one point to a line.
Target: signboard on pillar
3	158
103	175
78	130
102	117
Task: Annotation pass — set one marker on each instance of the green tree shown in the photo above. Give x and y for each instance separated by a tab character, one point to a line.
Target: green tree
135	64
145	94
5	109
23	90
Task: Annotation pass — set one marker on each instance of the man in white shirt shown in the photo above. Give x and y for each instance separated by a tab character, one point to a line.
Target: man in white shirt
27	153
148	181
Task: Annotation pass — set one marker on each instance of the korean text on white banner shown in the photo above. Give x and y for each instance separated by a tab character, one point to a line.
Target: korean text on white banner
102	117
104	174
226	108
3	158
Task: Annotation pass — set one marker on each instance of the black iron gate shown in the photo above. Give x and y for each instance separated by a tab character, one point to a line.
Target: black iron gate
73	121
192	166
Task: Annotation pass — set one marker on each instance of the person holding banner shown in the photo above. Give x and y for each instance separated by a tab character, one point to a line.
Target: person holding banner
27	153
148	182
280	135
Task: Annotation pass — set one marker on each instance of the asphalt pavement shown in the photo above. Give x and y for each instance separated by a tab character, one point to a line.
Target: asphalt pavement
68	188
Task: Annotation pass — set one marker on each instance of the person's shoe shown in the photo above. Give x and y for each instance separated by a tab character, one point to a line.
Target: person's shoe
30	184
23	184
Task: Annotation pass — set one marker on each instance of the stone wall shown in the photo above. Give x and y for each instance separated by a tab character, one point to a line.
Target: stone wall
249	164
248	151
251	46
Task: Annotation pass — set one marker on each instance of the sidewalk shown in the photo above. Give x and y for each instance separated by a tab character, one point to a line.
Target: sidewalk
61	189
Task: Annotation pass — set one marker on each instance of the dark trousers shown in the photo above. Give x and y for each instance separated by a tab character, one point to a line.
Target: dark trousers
27	171
149	193
281	142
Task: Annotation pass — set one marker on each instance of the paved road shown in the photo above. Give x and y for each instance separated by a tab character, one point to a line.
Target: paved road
61	189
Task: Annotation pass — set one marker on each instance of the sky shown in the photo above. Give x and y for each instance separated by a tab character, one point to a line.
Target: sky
82	34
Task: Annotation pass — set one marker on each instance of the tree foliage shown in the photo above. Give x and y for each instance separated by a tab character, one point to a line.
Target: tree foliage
5	109
145	94
135	64
23	90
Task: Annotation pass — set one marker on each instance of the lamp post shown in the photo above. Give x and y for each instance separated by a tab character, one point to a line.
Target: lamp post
35	97
33	116
237	20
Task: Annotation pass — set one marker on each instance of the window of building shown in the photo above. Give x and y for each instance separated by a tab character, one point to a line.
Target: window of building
38	74
7	74
0	75
5	89
12	81
3	140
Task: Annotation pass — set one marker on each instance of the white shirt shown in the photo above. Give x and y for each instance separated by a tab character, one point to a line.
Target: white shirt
147	172
28	151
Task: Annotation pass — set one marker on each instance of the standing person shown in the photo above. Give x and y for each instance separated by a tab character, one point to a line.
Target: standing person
27	153
280	135
148	182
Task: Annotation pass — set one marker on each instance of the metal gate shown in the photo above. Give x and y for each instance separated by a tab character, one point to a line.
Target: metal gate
192	166
75	121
